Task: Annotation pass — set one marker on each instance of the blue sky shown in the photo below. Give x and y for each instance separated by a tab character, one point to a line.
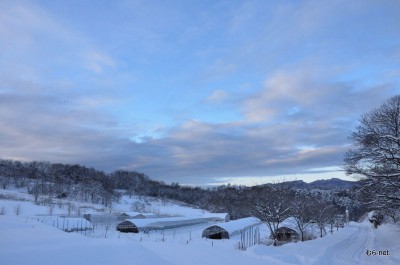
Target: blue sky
195	92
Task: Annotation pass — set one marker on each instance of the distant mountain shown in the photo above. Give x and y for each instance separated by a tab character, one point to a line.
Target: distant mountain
323	184
333	183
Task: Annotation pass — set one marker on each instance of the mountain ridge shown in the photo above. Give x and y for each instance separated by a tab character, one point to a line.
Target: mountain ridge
323	184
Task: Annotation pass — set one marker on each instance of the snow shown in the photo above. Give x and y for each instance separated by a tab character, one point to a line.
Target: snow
67	224
34	243
25	239
158	206
348	246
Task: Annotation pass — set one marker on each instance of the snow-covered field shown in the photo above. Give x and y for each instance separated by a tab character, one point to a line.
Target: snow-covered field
24	239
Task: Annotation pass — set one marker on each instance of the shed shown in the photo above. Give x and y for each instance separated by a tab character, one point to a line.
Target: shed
127	227
286	234
229	229
288	230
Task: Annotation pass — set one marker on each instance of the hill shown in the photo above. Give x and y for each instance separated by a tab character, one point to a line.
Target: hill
26	240
323	184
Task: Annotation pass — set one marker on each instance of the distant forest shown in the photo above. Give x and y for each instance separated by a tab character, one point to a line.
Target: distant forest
47	180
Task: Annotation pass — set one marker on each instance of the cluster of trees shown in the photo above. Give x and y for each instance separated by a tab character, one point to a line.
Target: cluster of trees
304	207
44	179
375	158
58	181
272	203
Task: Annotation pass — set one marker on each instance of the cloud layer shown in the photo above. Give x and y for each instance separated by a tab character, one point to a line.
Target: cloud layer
201	93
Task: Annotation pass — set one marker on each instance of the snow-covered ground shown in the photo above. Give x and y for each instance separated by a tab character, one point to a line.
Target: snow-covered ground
25	239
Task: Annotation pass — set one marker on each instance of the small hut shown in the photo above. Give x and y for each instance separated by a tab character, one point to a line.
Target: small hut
286	234
229	229
215	232
127	227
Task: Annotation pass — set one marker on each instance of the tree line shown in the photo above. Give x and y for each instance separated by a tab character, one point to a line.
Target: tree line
272	203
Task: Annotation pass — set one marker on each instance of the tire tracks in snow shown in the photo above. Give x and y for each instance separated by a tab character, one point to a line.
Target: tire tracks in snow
348	250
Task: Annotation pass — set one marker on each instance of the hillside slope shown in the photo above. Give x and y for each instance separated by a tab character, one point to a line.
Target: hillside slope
24	239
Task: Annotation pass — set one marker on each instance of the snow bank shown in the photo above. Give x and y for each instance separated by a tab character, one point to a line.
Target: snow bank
33	243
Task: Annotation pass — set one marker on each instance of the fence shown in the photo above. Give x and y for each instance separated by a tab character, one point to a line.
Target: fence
68	224
249	236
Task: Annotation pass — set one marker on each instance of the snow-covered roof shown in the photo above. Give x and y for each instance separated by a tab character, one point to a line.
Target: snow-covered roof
239	224
218	216
234	227
290	222
166	223
137	214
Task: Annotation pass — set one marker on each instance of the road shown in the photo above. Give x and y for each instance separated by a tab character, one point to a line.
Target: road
351	245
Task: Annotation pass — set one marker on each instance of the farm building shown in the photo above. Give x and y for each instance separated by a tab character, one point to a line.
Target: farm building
135	215
229	229
218	217
288	231
164	223
127	227
286	234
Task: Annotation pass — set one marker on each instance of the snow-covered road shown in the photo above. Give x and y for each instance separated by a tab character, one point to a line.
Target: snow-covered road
347	246
350	247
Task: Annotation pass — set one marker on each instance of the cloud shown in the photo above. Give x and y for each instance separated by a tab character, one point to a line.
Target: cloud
298	121
35	43
217	96
96	61
310	69
313	95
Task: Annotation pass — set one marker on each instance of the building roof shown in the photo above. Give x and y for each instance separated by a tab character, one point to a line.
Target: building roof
217	216
137	214
236	226
166	223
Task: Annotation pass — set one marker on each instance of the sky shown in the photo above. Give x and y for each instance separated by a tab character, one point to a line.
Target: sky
194	92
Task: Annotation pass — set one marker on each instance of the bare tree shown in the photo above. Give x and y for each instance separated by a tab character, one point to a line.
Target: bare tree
323	213
303	211
375	156
273	206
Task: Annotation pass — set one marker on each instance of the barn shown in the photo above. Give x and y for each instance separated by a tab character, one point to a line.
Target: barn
229	229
